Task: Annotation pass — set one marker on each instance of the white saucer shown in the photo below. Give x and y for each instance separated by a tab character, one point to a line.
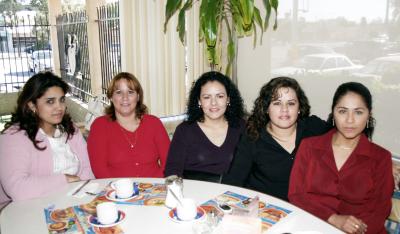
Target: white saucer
113	197
95	223
173	216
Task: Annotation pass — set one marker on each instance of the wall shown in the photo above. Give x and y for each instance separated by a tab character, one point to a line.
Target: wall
8	102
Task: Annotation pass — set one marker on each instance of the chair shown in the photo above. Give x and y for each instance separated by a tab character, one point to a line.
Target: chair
392	224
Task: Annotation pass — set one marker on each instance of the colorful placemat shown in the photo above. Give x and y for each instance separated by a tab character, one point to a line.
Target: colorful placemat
269	214
75	219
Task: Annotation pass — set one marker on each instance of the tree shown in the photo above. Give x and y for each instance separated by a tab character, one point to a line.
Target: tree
40	5
9	7
239	17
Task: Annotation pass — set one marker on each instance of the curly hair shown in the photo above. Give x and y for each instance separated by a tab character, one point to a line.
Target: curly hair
234	112
26	119
134	84
365	94
259	117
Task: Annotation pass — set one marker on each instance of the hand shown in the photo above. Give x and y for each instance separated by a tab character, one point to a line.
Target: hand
348	223
72	178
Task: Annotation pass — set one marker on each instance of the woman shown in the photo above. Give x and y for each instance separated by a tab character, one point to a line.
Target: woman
203	146
279	121
40	149
127	142
341	176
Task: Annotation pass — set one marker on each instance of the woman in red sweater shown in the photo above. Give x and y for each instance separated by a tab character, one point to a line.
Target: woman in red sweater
342	177
127	142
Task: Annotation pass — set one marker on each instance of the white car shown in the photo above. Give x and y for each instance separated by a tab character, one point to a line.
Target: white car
383	69
41	60
319	64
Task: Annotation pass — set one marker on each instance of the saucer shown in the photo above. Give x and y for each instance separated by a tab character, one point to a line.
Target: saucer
174	217
95	223
113	197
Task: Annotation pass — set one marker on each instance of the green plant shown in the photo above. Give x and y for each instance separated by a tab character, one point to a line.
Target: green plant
238	16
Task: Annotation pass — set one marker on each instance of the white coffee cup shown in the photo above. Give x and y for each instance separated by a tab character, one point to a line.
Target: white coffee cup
187	210
123	188
107	213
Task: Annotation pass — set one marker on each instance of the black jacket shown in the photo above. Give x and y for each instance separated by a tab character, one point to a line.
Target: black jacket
264	165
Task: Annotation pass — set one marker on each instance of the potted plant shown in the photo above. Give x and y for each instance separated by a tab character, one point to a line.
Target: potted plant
239	17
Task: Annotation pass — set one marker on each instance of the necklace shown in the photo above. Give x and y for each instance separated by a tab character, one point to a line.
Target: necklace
132	145
269	129
343	147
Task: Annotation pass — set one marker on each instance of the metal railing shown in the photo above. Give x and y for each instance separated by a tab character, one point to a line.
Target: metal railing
74	54
24	49
110	49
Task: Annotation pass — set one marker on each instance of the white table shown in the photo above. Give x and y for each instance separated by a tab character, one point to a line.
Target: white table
28	216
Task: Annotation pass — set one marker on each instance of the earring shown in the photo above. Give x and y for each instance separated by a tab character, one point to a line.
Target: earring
333	122
228	103
298	112
199	106
367	124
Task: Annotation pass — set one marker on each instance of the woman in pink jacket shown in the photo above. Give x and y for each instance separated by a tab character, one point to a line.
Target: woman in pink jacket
40	149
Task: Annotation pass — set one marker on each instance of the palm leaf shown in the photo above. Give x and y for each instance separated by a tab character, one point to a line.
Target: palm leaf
267	6
247	10
258	20
181	28
274	4
170	9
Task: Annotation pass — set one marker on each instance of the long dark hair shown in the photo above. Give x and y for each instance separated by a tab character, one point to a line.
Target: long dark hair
259	117
25	118
140	109
234	111
361	90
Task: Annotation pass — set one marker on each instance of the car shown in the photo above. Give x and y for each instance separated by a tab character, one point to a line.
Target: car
363	50
41	60
319	64
384	69
298	51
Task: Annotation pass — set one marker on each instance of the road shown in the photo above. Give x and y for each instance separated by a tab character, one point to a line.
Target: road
14	71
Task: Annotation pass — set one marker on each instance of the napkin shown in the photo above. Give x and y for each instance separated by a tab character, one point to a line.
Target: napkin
92	187
232	224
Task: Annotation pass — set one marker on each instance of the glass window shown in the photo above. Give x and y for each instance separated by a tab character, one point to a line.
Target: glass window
369	40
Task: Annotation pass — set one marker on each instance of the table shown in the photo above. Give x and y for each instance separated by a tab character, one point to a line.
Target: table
18	216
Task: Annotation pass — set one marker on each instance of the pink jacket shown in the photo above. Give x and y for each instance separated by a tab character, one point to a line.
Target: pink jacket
26	172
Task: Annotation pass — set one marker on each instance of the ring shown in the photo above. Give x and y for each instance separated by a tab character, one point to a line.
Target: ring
356	226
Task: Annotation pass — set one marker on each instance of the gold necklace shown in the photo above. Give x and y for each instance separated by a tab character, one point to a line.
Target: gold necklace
343	147
127	138
269	129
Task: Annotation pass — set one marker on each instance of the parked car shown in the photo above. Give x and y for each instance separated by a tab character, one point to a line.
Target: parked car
41	60
385	69
319	64
362	50
298	51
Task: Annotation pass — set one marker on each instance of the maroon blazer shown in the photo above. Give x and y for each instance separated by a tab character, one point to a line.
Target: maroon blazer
363	187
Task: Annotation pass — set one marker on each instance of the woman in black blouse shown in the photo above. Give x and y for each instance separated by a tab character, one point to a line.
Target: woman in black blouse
279	121
203	146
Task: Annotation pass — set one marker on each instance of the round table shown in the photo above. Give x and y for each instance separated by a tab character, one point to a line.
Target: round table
28	216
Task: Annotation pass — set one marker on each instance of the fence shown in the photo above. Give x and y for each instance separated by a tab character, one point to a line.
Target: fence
110	49
74	54
19	37
73	41
25	45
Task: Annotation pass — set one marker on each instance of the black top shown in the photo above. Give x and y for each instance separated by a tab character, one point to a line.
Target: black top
193	156
264	165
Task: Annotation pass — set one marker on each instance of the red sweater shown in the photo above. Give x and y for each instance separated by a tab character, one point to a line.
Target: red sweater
110	151
362	187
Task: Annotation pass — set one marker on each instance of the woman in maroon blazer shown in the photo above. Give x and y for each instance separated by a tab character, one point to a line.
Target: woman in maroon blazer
341	176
